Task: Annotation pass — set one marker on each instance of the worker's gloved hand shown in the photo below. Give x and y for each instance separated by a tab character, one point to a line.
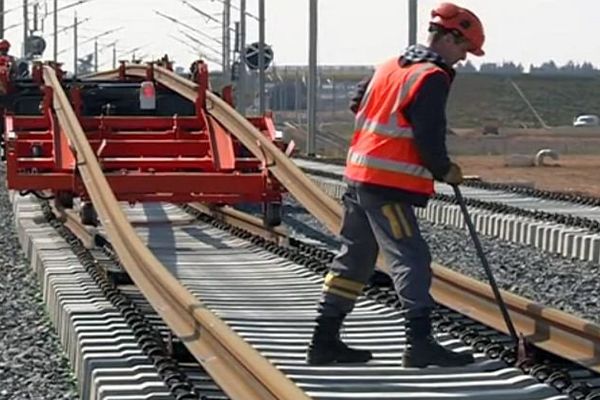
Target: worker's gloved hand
454	175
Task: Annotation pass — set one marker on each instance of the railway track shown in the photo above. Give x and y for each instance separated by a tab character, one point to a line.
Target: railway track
514	196
563	224
229	297
224	355
249	287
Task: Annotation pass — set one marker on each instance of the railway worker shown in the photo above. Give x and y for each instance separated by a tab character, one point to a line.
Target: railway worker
4	47
7	59
397	151
8	64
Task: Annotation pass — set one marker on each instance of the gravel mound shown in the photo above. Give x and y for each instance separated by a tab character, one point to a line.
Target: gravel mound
31	362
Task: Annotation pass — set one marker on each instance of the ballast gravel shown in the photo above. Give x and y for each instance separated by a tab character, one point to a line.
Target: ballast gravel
31	362
569	285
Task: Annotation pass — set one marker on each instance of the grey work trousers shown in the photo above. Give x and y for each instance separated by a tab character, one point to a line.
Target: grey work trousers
370	224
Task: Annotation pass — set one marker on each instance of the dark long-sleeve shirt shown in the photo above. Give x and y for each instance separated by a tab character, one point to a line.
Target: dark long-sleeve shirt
427	115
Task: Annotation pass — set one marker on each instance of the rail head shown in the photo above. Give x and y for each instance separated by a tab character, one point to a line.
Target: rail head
244	221
554	331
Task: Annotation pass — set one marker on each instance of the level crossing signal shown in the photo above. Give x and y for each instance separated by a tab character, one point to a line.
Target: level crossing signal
34	46
252	56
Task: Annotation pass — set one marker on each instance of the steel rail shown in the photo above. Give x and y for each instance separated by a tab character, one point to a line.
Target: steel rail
236	367
318	203
552	330
72	221
555	331
244	221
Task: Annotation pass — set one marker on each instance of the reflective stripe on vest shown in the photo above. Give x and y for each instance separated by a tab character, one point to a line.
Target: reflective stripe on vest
390	128
389	165
414	77
383	151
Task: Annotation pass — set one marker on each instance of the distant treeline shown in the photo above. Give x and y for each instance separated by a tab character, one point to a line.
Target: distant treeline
547	68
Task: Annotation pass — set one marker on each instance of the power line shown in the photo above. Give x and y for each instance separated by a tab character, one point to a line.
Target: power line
178	22
90	39
238	9
199	11
79	2
195	40
66	28
197	49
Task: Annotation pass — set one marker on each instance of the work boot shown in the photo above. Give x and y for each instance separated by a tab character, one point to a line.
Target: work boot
327	348
422	349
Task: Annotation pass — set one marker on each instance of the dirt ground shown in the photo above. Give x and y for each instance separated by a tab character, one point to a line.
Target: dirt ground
574	173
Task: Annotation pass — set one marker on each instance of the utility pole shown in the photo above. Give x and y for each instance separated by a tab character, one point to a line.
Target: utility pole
332	97
412	22
115	56
25	26
75	46
241	86
35	17
261	57
95	55
297	95
312	78
226	41
2	18
55	26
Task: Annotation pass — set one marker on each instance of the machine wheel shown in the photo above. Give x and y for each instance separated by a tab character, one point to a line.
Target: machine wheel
272	214
63	199
88	215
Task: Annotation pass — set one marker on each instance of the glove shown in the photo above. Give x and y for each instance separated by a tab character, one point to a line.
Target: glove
361	89
454	175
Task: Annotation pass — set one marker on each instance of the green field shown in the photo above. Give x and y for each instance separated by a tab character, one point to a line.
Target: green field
477	98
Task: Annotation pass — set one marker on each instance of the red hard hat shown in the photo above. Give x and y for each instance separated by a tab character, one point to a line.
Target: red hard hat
453	17
4	45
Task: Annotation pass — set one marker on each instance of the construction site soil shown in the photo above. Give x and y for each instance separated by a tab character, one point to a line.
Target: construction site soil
577	169
529	113
572	173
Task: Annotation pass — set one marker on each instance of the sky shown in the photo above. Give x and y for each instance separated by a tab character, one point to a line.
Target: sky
351	32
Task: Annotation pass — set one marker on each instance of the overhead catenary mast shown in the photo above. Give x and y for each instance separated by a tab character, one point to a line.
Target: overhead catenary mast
55	28
241	84
412	22
2	18
312	79
25	27
226	52
261	56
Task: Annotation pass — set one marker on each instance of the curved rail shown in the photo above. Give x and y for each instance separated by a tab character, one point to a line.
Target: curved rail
557	332
547	328
319	204
239	369
244	221
554	331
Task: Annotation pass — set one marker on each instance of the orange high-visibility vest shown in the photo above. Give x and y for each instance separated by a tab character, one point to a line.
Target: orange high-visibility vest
383	151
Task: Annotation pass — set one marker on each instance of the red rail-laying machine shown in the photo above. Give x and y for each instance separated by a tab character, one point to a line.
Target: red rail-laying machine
152	144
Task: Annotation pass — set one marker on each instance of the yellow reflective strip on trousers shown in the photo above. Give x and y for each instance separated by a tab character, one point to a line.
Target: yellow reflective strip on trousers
340	292
333	280
403	220
388	212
